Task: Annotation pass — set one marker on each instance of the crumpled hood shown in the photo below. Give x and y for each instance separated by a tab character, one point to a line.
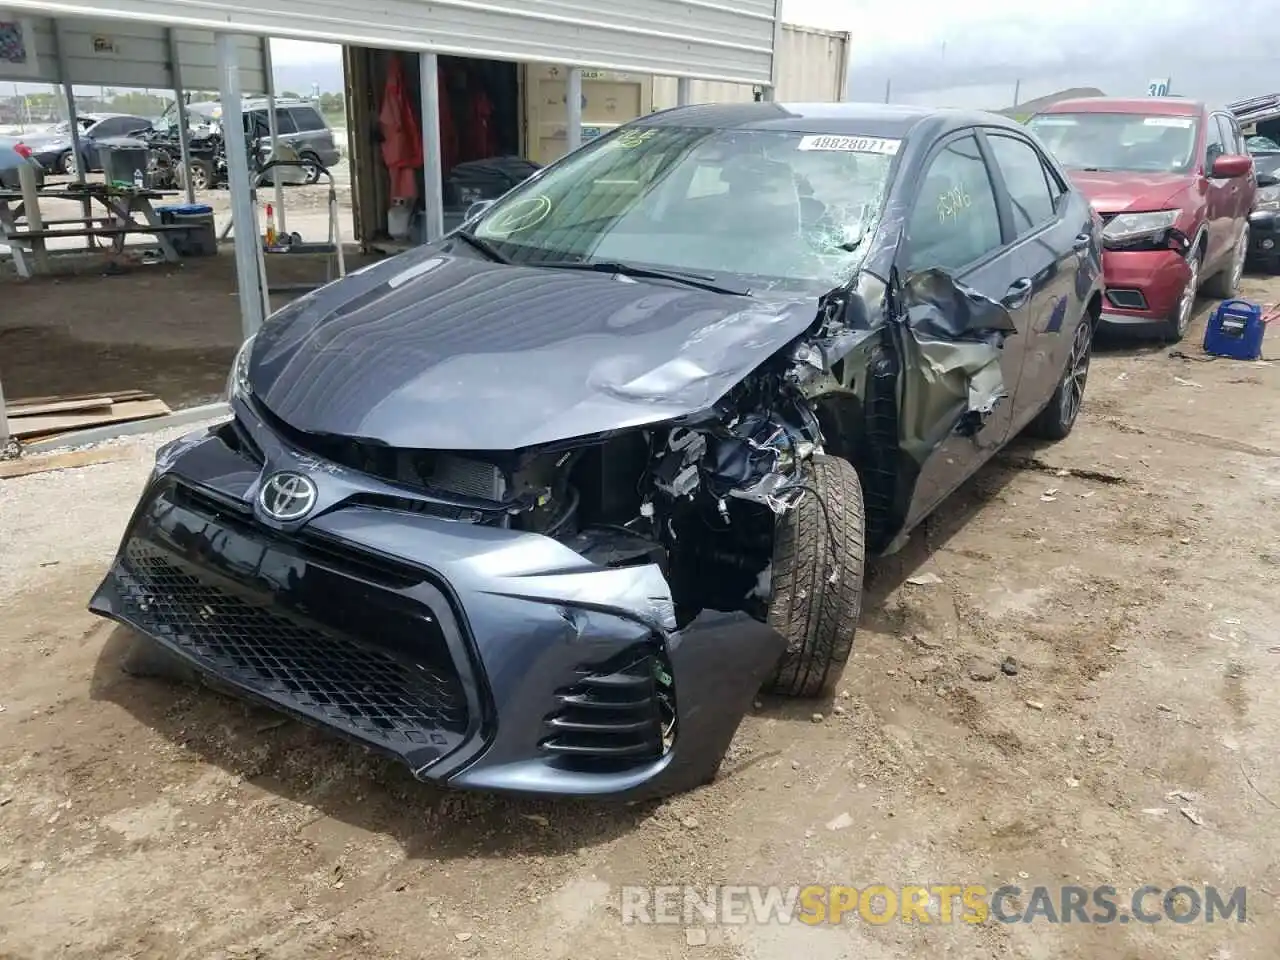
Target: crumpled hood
1121	192
433	351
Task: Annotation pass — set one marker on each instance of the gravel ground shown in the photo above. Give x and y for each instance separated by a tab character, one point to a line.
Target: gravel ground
1129	574
34	536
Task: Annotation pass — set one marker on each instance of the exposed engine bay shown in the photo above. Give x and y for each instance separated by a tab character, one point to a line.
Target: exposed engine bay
698	499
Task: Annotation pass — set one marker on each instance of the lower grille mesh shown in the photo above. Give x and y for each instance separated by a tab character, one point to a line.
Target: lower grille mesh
337	680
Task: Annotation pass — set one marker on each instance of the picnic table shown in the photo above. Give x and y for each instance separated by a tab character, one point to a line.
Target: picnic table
128	210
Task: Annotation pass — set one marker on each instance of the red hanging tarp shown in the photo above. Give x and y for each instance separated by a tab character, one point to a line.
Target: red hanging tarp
401	135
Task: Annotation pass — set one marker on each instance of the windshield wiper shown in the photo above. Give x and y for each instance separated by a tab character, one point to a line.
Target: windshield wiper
484	246
699	280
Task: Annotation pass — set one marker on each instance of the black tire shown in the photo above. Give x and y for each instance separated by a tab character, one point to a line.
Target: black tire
201	174
66	165
818	554
1059	415
1226	284
311	174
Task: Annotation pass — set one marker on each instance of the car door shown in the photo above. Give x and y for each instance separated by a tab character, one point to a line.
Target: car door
1050	250
1244	188
1220	198
955	225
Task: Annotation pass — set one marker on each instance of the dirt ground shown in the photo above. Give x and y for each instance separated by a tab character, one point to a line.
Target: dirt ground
111	324
1132	573
169	329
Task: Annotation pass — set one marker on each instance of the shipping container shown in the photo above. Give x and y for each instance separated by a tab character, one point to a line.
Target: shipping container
812	67
529	117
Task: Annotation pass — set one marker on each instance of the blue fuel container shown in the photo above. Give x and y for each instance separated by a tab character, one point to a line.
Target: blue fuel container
1235	330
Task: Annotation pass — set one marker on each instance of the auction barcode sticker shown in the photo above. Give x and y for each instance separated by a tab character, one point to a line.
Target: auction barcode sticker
850	144
1182	123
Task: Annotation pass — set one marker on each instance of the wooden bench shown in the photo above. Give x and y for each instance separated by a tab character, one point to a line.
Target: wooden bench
95	232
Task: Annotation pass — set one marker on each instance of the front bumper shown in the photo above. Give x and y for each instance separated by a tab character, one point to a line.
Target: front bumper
1156	278
478	656
1264	239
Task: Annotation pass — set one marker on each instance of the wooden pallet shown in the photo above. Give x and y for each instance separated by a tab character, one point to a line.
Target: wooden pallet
34	418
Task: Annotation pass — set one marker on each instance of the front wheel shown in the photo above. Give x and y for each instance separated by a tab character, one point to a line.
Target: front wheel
67	164
1176	326
1055	421
816	594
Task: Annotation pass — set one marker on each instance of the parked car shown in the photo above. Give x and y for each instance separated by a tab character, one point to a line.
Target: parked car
52	146
1174	185
56	152
1264	221
13	154
538	507
1259	119
301	127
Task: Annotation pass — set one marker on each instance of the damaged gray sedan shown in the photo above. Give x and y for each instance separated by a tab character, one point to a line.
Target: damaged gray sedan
542	506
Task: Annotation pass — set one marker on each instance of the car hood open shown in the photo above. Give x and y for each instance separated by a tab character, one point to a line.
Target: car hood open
1122	191
433	351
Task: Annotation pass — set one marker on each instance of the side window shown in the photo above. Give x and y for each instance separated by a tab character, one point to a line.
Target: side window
285	121
1231	134
307	118
954	221
1215	145
1025	178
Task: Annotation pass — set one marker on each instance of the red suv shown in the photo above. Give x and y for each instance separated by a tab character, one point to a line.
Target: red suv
1174	185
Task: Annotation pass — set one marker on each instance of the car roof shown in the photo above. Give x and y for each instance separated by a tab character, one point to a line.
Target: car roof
842	119
1148	106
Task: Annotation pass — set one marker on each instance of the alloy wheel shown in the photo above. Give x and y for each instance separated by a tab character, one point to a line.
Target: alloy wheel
1077	372
199	180
69	165
1187	302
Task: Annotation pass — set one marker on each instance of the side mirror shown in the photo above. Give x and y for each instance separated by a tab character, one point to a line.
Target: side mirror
477	208
1268	180
1231	165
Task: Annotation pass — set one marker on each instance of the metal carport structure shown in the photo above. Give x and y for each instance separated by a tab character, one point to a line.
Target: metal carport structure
718	40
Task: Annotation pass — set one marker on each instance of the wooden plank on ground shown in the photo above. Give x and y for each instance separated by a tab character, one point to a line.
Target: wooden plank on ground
25	428
113	395
57	461
58	406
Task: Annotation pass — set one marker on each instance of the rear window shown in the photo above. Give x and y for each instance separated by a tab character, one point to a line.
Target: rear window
307	118
1130	142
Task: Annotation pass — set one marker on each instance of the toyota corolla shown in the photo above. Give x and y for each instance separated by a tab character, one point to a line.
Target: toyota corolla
540	507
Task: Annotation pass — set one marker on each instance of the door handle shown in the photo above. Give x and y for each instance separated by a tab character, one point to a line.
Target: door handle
1081	243
1019	293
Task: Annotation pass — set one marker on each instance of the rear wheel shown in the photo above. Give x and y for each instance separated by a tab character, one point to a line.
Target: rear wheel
817	579
311	167
1055	421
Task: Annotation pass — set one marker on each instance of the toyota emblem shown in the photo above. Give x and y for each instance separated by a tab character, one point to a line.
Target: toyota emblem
287	496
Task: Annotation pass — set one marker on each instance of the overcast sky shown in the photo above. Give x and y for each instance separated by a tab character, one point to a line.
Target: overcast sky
973	52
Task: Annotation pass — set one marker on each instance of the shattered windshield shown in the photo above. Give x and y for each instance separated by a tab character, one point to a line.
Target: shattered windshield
788	210
1126	142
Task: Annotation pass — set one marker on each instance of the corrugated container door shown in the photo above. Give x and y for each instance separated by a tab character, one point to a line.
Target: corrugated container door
608	100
